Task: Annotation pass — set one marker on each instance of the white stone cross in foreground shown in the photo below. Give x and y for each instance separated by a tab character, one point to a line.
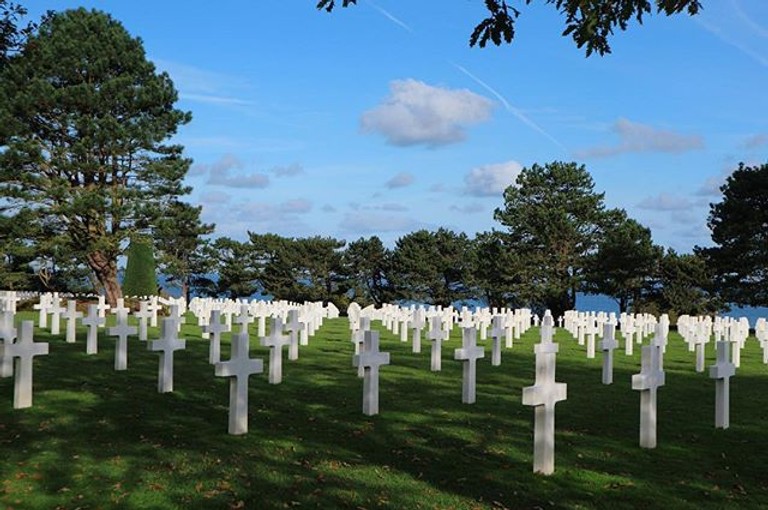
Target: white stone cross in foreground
167	344
469	354
238	369
275	341
722	371
370	358
215	328
122	330
24	351
544	394
71	317
93	321
607	345
648	381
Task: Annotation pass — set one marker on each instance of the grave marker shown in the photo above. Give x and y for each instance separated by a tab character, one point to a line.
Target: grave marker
722	371
239	368
607	345
168	343
71	316
215	328
469	354
122	330
543	395
24	350
648	381
370	359
93	321
275	341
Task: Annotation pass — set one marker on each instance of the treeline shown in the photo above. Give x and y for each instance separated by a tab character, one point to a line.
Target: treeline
88	165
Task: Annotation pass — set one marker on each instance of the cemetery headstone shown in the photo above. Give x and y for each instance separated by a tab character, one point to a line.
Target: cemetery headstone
239	368
370	359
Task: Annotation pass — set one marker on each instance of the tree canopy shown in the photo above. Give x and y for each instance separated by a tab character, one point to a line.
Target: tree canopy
554	220
84	121
590	23
739	226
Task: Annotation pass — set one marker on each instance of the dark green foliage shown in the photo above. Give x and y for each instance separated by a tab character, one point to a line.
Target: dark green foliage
432	267
684	285
625	263
178	235
140	278
367	264
739	225
83	121
555	219
299	269
589	23
232	262
500	275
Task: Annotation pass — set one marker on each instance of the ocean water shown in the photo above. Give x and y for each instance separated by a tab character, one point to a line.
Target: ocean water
601	303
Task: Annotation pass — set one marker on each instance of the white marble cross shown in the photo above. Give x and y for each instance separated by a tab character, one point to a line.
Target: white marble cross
293	326
722	371
71	317
543	395
370	359
607	345
497	331
93	321
153	307
120	308
244	318
24	350
469	354
417	325
44	307
238	369
166	345
437	335
122	330
700	338
56	310
8	334
275	341
648	381
215	328
143	315
102	307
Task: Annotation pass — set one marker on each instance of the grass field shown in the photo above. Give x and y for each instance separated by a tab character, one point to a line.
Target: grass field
97	438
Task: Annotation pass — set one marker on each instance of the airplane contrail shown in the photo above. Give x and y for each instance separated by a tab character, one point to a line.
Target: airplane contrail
511	109
390	16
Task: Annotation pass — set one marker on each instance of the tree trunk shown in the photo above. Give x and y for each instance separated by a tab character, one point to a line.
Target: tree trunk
105	269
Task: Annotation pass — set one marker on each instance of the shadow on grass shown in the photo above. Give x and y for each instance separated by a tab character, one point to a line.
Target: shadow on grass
97	438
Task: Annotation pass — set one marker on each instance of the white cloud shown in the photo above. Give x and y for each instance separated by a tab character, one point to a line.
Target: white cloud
665	202
438	187
417	113
365	223
491	180
223	165
328	208
756	141
467	209
637	137
220	174
288	170
215	197
400	180
295	206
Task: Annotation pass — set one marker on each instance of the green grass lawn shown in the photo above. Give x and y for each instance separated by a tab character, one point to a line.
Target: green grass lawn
97	438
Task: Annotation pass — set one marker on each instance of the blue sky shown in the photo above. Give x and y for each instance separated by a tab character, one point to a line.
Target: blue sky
379	119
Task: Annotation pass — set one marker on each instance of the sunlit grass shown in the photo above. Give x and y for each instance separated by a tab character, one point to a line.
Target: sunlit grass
97	438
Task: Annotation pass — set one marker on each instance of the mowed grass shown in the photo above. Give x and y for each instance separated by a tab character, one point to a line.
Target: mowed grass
96	438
